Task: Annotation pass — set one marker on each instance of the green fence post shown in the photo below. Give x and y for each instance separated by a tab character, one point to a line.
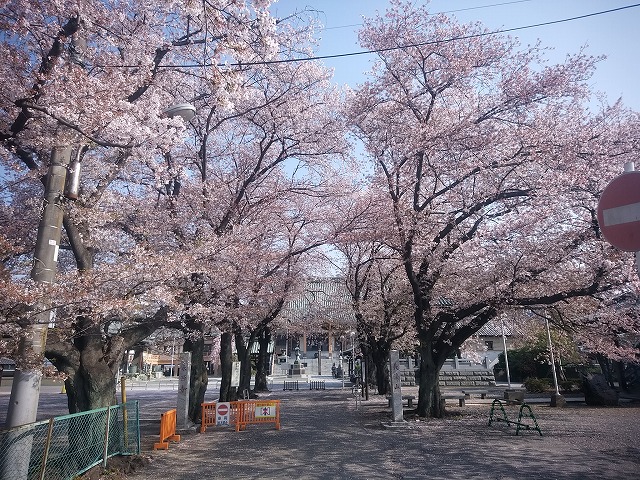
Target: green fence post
106	439
47	444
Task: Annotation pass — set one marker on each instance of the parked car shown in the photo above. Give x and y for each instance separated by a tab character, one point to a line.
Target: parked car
7	367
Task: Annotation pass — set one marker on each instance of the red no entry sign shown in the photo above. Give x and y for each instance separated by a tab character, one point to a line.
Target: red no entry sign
619	212
223	409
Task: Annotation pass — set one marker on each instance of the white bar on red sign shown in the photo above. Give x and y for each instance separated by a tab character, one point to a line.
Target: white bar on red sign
623	214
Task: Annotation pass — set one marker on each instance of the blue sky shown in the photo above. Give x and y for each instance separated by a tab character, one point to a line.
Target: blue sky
616	34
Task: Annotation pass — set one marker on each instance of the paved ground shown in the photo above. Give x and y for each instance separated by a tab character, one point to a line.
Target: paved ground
324	436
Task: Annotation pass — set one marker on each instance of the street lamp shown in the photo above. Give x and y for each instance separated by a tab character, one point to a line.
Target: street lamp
184	110
506	355
557	400
25	391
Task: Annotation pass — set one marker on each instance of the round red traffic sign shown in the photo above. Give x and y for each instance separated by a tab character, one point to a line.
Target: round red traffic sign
222	409
619	212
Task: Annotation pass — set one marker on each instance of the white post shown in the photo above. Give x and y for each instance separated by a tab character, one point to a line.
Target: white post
557	400
173	348
506	356
553	362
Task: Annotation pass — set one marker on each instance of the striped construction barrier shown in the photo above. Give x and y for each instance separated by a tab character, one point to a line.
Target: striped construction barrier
257	412
210	415
240	413
167	430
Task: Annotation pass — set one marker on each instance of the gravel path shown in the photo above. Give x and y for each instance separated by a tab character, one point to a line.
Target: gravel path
324	436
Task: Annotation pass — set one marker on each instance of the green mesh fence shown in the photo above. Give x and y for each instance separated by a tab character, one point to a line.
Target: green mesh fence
67	446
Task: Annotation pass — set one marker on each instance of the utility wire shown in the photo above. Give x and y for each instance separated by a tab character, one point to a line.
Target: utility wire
388	49
419	44
437	13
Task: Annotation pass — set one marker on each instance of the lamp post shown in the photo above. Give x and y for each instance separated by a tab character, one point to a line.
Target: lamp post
173	349
506	357
27	379
25	392
557	400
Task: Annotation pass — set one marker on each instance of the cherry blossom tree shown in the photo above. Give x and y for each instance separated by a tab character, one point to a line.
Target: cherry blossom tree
99	75
381	303
489	159
270	149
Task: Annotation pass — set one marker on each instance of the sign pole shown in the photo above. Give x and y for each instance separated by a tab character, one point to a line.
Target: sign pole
631	167
619	210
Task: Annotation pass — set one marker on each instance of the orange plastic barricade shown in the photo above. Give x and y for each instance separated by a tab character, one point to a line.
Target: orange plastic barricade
209	413
167	430
257	411
208	416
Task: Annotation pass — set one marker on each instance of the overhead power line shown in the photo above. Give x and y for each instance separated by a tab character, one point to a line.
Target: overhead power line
446	11
419	44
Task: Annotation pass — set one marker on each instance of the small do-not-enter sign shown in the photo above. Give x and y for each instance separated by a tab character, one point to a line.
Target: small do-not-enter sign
222	413
619	212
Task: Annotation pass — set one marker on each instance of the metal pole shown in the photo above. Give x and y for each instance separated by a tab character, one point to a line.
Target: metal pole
553	363
105	451
25	392
630	167
173	347
506	357
125	419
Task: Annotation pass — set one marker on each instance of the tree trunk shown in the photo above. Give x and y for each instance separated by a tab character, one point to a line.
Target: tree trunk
379	355
262	367
225	367
199	378
91	360
91	364
380	360
92	386
244	355
429	388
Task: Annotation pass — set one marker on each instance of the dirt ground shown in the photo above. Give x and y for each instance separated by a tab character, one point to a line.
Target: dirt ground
324	435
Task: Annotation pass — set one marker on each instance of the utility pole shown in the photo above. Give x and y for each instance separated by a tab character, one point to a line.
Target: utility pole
25	392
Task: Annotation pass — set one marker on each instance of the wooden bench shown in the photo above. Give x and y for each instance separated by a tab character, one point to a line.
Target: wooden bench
482	393
408	398
454	396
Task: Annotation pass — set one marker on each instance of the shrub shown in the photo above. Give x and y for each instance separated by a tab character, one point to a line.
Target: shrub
568	386
537	385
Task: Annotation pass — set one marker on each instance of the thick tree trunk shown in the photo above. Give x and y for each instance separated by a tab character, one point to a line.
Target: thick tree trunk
91	360
262	367
244	355
429	387
226	360
199	378
92	386
380	360
91	364
379	356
